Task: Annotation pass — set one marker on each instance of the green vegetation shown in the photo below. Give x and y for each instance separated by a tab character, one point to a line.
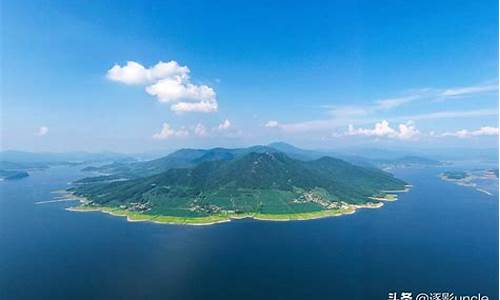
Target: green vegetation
188	158
219	186
101	179
218	218
183	158
455	175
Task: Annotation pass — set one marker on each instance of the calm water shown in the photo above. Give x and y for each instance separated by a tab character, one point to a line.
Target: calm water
439	237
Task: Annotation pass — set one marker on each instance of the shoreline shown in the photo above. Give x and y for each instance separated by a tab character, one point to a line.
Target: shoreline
132	216
216	219
468	182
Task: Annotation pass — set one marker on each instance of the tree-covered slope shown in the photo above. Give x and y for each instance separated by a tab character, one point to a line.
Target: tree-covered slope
183	158
265	182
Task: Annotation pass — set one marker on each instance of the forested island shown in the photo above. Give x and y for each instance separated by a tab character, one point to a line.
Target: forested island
454	175
207	186
482	180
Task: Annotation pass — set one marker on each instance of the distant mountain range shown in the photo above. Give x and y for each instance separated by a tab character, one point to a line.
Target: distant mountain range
64	157
186	158
121	166
406	161
18	164
258	179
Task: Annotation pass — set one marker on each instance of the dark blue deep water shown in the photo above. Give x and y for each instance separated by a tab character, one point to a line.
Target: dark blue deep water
439	237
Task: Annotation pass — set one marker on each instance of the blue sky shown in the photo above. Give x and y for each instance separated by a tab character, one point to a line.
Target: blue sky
132	76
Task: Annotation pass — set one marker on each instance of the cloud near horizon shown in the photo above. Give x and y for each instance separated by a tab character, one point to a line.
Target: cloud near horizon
384	130
167	132
224	125
199	130
169	83
272	124
464	133
470	90
335	123
42	131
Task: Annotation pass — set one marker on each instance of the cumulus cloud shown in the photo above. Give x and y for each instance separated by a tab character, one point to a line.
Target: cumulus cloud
202	106
224	125
464	133
272	124
167	132
407	131
334	123
200	130
43	130
340	115
135	73
169	83
383	129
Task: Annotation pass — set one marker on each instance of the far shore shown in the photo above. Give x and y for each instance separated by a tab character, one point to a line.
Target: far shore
133	216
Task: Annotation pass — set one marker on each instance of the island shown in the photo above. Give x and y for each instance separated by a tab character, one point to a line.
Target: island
482	180
218	185
454	175
15	171
12	174
493	172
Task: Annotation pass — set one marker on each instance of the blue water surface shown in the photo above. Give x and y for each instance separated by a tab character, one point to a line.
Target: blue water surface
439	237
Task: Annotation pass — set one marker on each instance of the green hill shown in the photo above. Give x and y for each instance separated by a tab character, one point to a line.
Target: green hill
183	158
235	182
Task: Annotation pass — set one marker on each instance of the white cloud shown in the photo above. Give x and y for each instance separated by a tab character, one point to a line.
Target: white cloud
469	90
132	73
169	83
395	102
167	132
346	111
135	73
407	131
202	106
43	130
333	123
224	125
383	129
340	115
272	124
449	114
200	130
359	113
464	133
380	129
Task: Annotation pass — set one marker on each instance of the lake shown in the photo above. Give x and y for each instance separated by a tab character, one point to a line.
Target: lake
439	237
